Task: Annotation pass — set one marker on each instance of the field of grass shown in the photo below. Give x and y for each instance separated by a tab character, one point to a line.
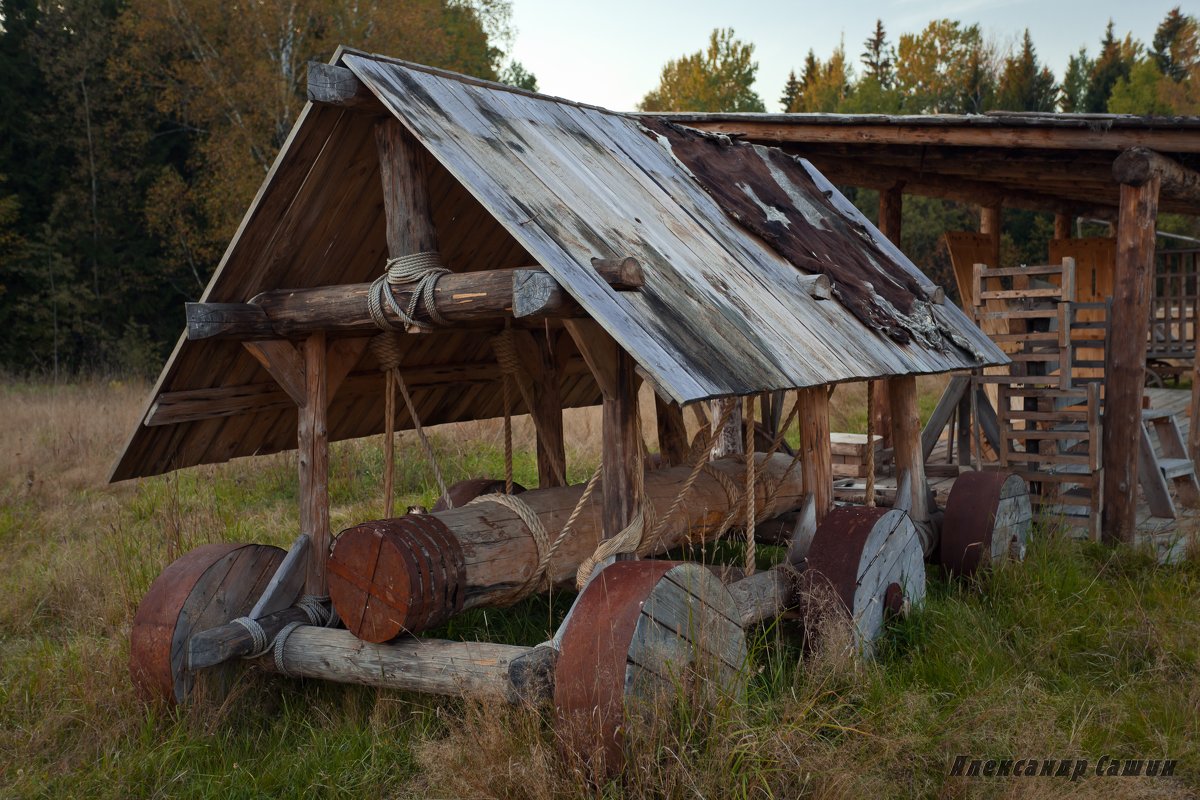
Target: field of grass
1079	652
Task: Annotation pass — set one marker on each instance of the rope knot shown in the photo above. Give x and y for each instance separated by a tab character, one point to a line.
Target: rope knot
418	274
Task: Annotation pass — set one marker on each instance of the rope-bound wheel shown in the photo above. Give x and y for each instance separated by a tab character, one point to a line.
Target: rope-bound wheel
209	586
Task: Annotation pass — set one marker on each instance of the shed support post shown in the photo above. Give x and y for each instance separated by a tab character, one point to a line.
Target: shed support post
989	225
1194	408
1126	356
312	439
906	425
621	456
1062	225
891	204
548	416
816	456
672	432
621	448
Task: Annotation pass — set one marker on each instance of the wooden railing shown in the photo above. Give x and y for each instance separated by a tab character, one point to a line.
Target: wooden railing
1173	307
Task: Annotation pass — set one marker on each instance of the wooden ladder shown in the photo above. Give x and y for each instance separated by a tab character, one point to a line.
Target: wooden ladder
1173	468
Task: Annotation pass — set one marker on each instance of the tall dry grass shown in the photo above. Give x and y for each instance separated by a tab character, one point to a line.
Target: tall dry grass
1076	652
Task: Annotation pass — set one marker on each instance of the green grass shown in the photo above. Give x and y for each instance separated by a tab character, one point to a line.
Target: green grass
1080	651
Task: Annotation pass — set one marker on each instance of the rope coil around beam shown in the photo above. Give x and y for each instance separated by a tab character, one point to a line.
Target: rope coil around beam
257	635
537	531
417	273
280	642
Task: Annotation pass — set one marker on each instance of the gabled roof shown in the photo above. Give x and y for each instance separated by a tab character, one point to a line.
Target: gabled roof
518	179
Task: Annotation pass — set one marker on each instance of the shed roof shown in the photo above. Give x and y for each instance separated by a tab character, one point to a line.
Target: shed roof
516	179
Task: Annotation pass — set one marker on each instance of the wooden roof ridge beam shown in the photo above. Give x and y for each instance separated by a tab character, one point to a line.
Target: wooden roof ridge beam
460	297
330	85
1137	165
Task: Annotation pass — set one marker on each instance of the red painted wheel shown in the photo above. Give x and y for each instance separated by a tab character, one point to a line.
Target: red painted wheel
640	633
210	586
871	561
988	518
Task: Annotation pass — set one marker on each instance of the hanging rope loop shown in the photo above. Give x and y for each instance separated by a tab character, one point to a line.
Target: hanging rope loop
870	444
387	349
417	274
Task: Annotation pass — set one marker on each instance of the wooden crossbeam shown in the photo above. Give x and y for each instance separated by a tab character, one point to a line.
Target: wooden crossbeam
461	297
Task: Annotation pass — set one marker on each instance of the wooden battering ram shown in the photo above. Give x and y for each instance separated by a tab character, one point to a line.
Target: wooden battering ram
641	631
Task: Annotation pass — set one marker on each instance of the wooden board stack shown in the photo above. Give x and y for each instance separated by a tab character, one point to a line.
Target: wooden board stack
850	453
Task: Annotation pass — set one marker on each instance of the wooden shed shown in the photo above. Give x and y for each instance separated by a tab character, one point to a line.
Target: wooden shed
605	249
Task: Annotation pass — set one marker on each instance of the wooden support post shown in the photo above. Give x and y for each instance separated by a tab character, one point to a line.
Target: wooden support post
891	204
313	444
672	432
1126	356
816	459
621	454
405	196
906	427
1194	409
989	224
547	414
621	451
1062	225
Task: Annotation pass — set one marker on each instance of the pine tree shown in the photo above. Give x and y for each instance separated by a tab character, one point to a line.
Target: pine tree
1023	85
791	91
878	57
1114	63
1165	37
1075	82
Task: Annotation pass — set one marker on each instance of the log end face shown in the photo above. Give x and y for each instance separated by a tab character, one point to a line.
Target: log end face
395	576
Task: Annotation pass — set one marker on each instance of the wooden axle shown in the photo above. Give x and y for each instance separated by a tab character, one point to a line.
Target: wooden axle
433	666
461	297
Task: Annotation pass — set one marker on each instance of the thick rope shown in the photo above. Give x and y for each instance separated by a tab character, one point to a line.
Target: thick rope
643	533
751	547
417	273
259	636
870	444
280	642
318	610
505	382
387	350
425	445
537	531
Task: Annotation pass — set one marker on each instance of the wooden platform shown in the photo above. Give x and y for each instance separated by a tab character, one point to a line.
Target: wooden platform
1170	537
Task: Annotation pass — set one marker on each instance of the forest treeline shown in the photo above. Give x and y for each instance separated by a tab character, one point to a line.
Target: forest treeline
952	68
134	133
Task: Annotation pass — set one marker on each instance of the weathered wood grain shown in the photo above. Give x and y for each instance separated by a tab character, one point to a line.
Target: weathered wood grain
1126	357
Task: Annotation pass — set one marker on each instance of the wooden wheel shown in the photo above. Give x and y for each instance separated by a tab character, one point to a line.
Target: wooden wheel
210	586
640	634
871	561
467	490
988	519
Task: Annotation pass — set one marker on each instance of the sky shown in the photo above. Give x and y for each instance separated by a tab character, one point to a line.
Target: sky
611	53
